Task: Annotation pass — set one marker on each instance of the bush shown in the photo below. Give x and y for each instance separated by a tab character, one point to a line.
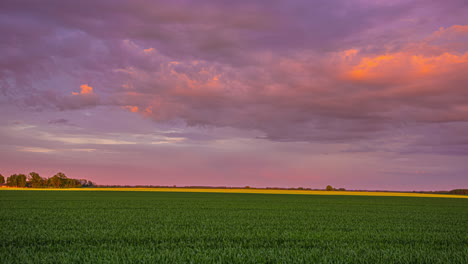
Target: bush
459	191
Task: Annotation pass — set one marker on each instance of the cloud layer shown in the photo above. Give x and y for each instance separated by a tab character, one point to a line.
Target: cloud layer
376	76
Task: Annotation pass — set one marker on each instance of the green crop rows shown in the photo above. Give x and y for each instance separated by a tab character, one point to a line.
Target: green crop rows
152	227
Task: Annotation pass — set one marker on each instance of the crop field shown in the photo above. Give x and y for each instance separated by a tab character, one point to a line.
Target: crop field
253	190
183	227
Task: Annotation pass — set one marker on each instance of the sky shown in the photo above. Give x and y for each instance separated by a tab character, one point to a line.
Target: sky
357	94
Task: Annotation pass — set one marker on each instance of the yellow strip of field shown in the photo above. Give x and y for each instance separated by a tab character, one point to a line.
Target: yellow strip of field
264	191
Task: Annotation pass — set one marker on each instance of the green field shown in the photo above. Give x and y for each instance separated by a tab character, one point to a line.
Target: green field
153	227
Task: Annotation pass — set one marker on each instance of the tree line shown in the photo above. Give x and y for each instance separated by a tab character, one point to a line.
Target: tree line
34	180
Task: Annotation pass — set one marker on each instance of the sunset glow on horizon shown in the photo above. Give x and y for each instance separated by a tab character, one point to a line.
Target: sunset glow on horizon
357	94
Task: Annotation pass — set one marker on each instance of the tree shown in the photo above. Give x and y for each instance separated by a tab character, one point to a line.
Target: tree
71	183
58	180
45	182
87	183
16	180
459	191
329	188
54	182
35	180
63	179
11	181
21	181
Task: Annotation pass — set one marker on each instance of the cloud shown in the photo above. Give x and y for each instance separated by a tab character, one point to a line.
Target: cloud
131	108
85	89
344	96
334	71
60	121
35	150
51	99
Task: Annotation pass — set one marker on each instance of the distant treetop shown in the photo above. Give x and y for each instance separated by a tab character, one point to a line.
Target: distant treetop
34	180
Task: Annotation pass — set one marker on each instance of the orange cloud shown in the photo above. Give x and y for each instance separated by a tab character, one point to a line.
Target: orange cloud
349	54
148	51
371	67
439	53
131	108
206	83
460	28
85	89
457	29
403	65
148	110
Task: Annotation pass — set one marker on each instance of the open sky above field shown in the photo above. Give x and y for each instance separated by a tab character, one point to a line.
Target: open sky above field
358	94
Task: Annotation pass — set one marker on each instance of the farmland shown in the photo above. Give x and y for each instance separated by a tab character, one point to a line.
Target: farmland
183	227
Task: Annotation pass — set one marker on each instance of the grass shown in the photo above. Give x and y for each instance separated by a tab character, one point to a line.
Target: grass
182	227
